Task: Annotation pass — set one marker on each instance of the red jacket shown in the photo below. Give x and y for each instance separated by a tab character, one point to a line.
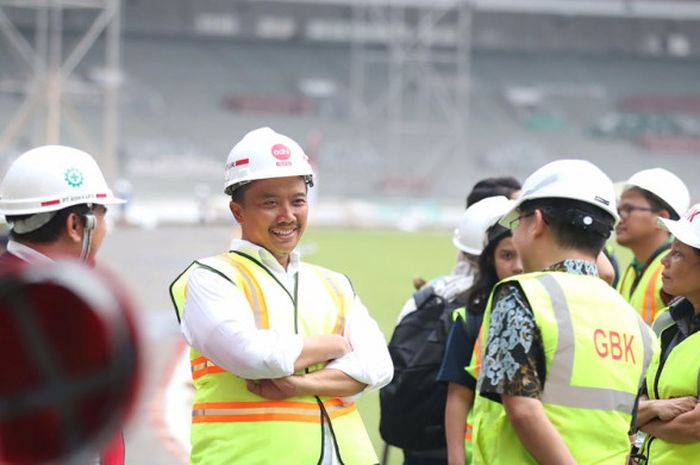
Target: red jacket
114	452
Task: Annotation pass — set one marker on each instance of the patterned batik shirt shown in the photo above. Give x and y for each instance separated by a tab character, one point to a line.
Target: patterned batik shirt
513	362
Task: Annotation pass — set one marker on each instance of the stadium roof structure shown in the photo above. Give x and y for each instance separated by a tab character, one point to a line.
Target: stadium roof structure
663	9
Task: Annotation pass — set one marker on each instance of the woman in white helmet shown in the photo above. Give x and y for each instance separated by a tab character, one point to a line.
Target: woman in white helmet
55	199
668	410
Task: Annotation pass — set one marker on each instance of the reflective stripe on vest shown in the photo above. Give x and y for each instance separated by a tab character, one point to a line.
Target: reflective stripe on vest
251	289
558	389
307	412
646	297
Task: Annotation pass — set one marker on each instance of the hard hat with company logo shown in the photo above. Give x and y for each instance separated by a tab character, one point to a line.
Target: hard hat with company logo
470	234
567	179
663	184
687	229
50	178
264	154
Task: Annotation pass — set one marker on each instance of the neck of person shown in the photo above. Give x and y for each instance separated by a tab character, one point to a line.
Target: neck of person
546	257
695	302
645	249
55	250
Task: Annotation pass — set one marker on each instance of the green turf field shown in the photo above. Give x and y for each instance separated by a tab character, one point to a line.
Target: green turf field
381	266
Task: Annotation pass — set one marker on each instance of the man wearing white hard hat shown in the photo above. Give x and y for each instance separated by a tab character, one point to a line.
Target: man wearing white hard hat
647	195
564	354
280	349
55	199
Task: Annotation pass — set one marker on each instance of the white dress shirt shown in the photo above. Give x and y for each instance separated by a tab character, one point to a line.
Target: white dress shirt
212	325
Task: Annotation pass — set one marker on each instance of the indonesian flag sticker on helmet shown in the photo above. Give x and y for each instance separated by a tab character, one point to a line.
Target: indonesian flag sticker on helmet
50	178
264	154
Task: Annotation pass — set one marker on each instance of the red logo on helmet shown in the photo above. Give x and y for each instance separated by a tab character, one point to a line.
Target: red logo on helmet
691	215
281	152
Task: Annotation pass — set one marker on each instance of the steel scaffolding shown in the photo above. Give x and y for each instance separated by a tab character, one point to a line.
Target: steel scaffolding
425	49
47	81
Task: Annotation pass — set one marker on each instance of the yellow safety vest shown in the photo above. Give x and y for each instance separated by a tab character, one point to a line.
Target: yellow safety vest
597	350
231	424
646	297
678	377
469	421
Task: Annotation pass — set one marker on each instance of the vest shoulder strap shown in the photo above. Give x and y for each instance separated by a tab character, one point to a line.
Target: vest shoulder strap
223	265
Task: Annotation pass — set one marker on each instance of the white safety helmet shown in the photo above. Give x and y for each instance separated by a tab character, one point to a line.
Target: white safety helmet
663	184
567	179
264	154
470	235
687	229
50	178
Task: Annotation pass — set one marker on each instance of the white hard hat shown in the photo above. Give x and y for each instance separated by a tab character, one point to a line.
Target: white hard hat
470	235
687	229
567	179
663	184
51	178
264	154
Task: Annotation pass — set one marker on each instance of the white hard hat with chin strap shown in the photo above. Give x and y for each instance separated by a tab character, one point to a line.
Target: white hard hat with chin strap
50	178
265	154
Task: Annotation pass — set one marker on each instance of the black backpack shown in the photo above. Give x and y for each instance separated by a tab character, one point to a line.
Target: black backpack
412	406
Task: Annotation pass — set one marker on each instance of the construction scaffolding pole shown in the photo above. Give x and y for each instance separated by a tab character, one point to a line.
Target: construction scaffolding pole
47	81
424	51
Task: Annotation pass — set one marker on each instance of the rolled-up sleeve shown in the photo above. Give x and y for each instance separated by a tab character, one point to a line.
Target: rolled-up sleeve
369	362
218	322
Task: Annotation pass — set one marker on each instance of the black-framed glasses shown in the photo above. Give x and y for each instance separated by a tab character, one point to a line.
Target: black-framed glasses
626	210
516	221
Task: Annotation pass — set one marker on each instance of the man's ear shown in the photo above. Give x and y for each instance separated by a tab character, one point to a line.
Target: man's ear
236	210
538	224
73	228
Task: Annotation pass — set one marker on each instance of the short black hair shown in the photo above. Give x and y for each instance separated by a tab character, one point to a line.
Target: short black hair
490	187
239	192
51	231
575	224
657	203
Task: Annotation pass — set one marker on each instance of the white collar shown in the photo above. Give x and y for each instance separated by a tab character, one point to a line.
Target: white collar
266	258
26	253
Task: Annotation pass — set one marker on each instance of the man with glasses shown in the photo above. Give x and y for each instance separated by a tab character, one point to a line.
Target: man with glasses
564	354
647	195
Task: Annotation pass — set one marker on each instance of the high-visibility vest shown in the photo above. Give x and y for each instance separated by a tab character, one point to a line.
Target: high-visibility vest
469	421
231	424
678	377
597	350
646	296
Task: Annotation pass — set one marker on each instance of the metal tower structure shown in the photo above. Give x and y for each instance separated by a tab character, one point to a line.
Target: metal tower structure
419	54
37	33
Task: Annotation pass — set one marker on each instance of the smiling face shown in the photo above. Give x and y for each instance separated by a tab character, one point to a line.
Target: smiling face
681	275
273	214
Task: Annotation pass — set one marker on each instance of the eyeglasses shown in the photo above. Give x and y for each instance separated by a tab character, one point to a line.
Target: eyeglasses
516	221
625	210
